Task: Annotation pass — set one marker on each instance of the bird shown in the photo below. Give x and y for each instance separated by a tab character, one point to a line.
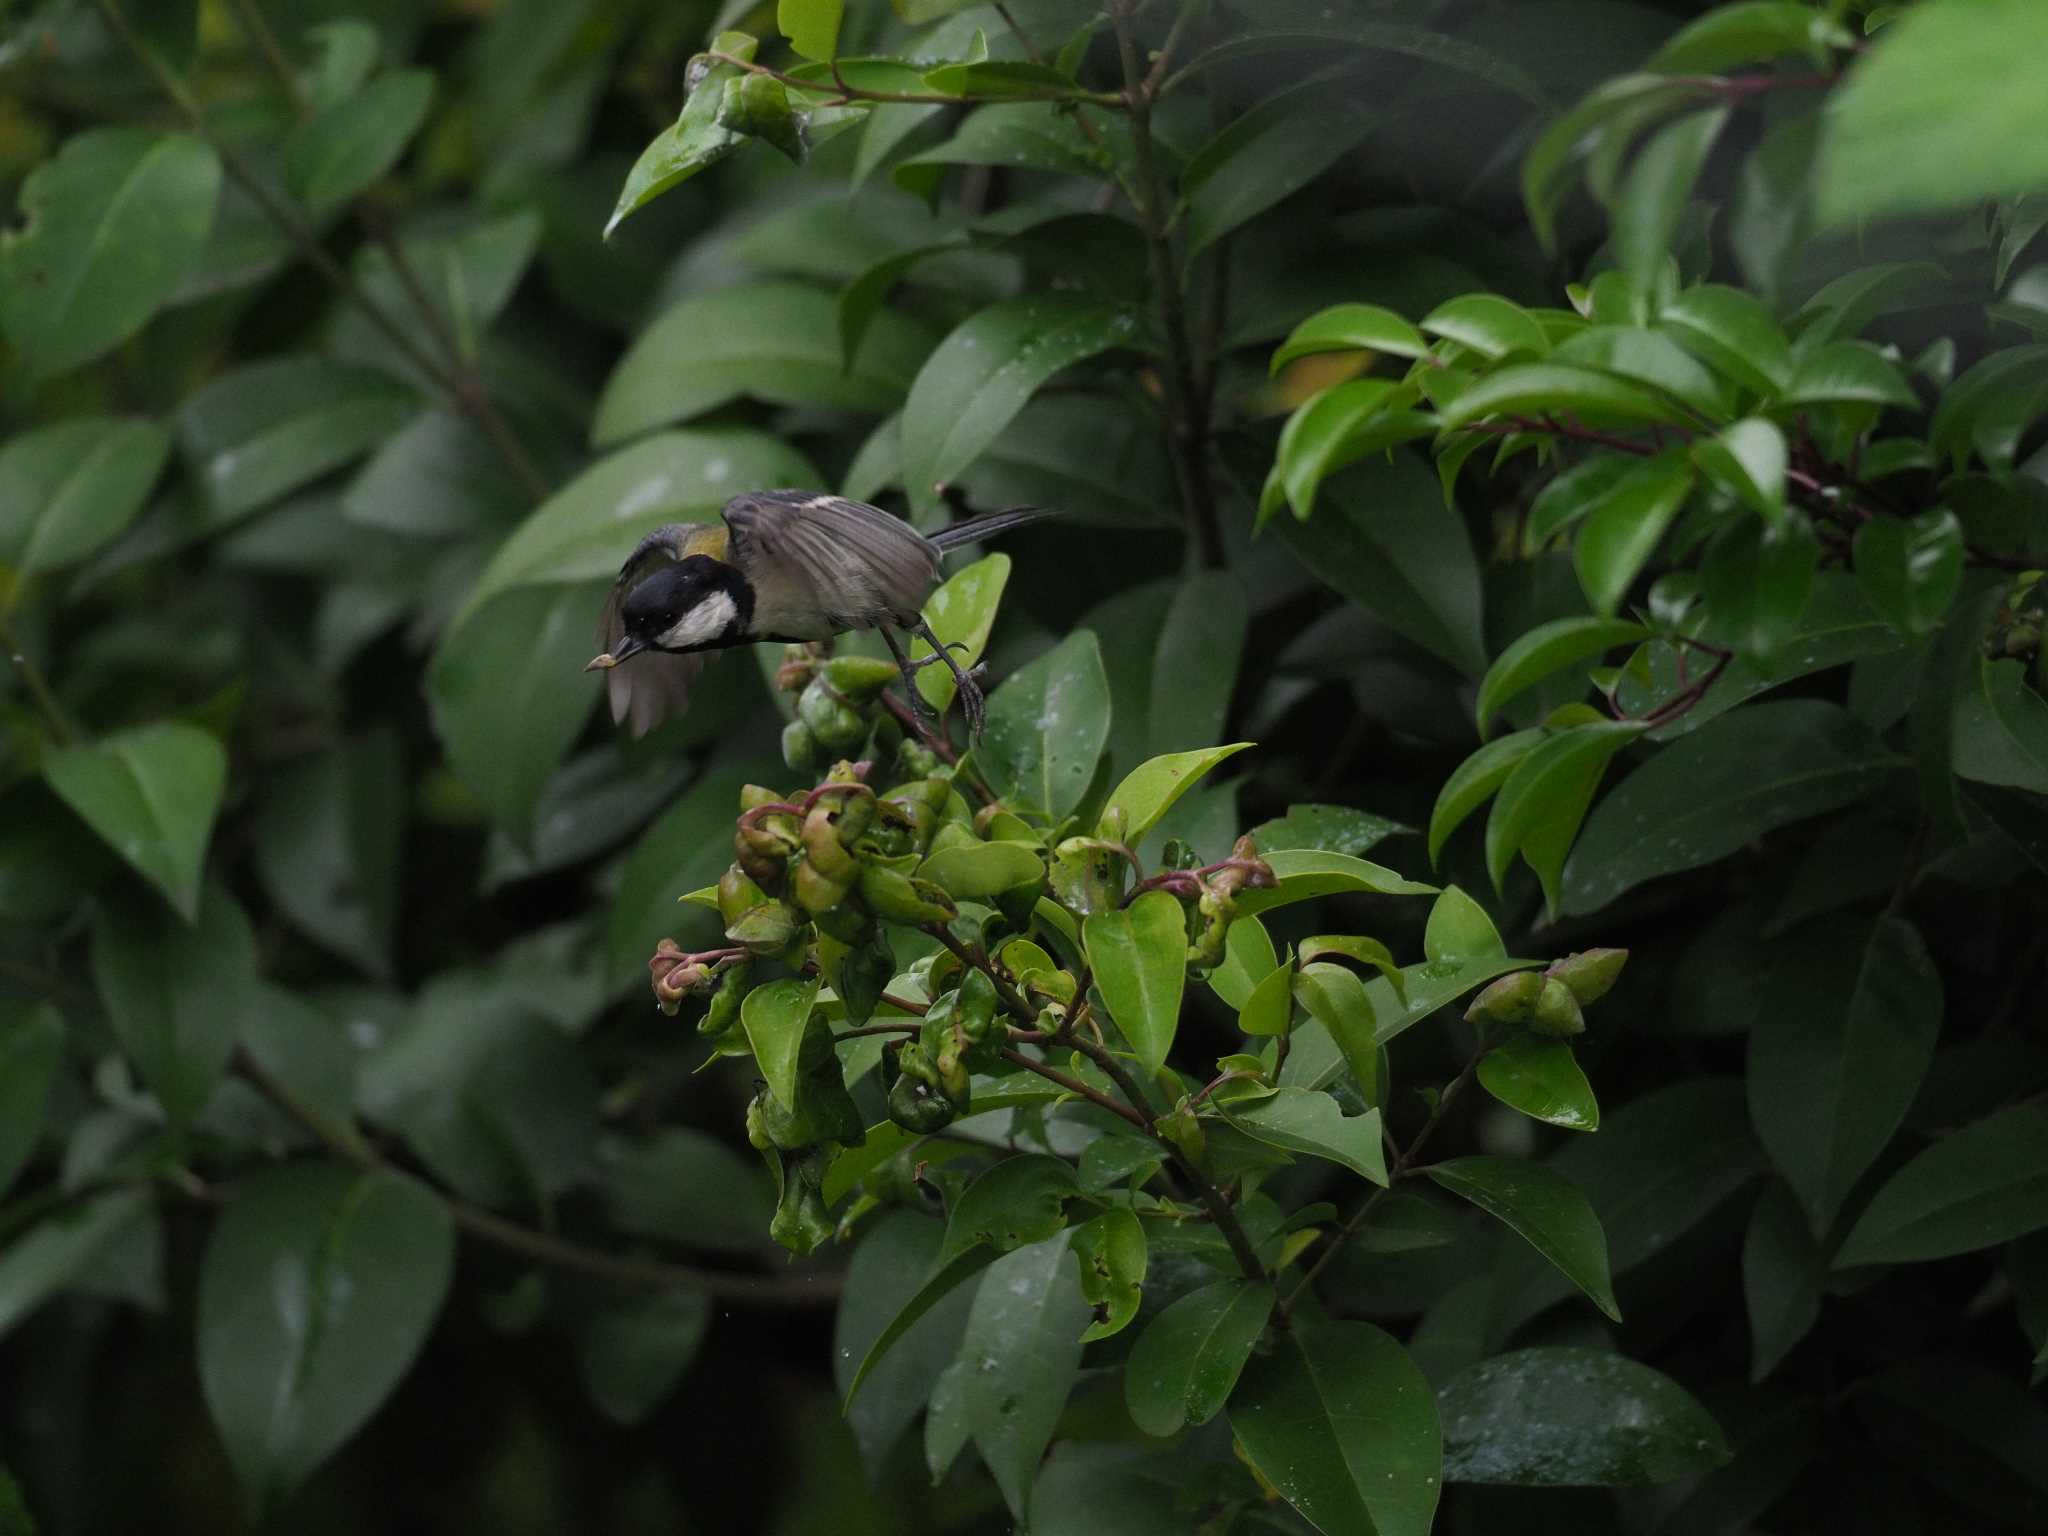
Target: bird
788	565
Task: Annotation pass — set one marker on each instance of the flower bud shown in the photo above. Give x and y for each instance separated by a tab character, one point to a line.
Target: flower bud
860	679
823	849
799	747
901	899
737	893
1557	1011
1590	973
814	891
1510	1000
724	1012
766	929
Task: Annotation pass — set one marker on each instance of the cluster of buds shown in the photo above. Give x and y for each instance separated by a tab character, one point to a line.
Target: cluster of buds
926	1078
1549	1002
797	1139
837	706
678	974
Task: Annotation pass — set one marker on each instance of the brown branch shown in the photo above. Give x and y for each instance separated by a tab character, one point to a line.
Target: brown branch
1075	1085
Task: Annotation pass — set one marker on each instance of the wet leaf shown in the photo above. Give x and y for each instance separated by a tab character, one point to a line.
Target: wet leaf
1188	1359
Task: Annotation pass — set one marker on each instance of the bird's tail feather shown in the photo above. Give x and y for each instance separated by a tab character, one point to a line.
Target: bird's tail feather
974	529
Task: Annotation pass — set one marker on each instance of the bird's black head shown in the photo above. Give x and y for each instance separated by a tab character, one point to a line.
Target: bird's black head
693	605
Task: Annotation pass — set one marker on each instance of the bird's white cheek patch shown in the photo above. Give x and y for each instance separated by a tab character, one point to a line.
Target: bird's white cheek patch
707	621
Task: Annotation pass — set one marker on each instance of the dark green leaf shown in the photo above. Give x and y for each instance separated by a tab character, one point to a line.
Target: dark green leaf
151	794
882	1277
31	1046
1544	799
1910	571
1542	1079
330	844
43	1260
1111	1250
1027	135
936	1286
1339	1419
1546	649
348	147
69	488
1046	727
1534	389
686	1187
1019	1201
1140	954
1747	460
1188	1358
318	1289
696	139
1850	372
632	1351
1298	1120
1660	180
1747	32
1329	828
1622	531
2001	729
1732	331
1275	149
1194	668
1554	1418
1024	1339
1543	1206
1782	1271
1475	781
1980	1186
116	220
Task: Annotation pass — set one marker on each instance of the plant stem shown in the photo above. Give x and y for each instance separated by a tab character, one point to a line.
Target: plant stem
1187	422
800	1289
848	94
1402	1165
1075	1086
38	687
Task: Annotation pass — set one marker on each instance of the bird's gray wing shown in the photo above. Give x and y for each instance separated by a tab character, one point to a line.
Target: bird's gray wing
653	686
843	560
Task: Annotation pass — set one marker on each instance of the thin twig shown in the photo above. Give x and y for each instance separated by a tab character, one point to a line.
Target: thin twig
38	687
1075	1085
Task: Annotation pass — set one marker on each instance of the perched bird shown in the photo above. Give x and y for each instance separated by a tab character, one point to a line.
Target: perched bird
784	565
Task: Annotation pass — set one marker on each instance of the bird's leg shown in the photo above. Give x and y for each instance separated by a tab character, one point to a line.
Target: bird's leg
919	705
971	702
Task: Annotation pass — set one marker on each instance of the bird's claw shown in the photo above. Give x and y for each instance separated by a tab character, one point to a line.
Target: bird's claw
973	703
924	661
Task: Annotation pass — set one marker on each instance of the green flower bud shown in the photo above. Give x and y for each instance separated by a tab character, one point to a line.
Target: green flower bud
800	1223
737	893
860	679
917	1100
1591	973
767	929
902	899
815	891
864	975
799	747
1557	1011
823	849
733	985
758	106
753	796
849	922
1510	1000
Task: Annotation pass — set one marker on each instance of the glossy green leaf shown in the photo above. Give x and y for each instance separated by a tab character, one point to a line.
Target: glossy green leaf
115	222
1026	1324
1850	373
317	1292
1747	460
1263	155
348	147
1139	953
1660	180
1617	540
982	373
1490	325
776	1016
852	1164
1544	799
882	1276
70	488
1829	1086
1149	790
1559	1417
1459	930
1350	328
977	871
1475	781
1910	571
696	139
1537	389
1046	727
1335	428
1651	358
31	1047
1542	1079
1913	130
761	340
1747	32
1268	1008
1299	1120
962	611
812	26
2000	728
1000	79
1335	997
1329	828
1546	1208
1546	649
1977	1187
151	794
1343	1424
1189	1357
1304	874
1111	1250
1731	331
939	1283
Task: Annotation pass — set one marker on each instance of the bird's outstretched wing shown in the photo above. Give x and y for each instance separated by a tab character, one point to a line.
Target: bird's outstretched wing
827	557
654	685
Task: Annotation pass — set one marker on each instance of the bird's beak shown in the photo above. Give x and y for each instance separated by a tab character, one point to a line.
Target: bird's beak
626	651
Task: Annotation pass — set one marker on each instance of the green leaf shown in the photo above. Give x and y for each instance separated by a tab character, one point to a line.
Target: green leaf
1648	357
1490	325
66	490
350	146
1910	571
1782	1273
1188	1359
330	846
881	1278
1383	541
1046	728
1267	153
1622	532
1149	790
980	376
1194	665
697	138
1546	1208
1335	998
585	531
43	1260
1111	1251
1298	1120
1248	959
268	428
1542	1079
1747	460
439	476
812	26
885	1140
317	1292
31	1048
1024	1335
1340	1421
1140	956
762	340
996	79
1850	373
1830	1085
1539	808
1914	130
1560	1418
115	222
962	611
1459	930
1268	1008
1019	1201
1475	781
1980	1186
1538	389
1350	328
1731	331
1713	792
1646	215
1546	649
1748	32
776	1017
1026	135
151	794
977	871
684	1186
1338	427
1328	828
631	1352
2000	729
1547	170
937	1285
1305	873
